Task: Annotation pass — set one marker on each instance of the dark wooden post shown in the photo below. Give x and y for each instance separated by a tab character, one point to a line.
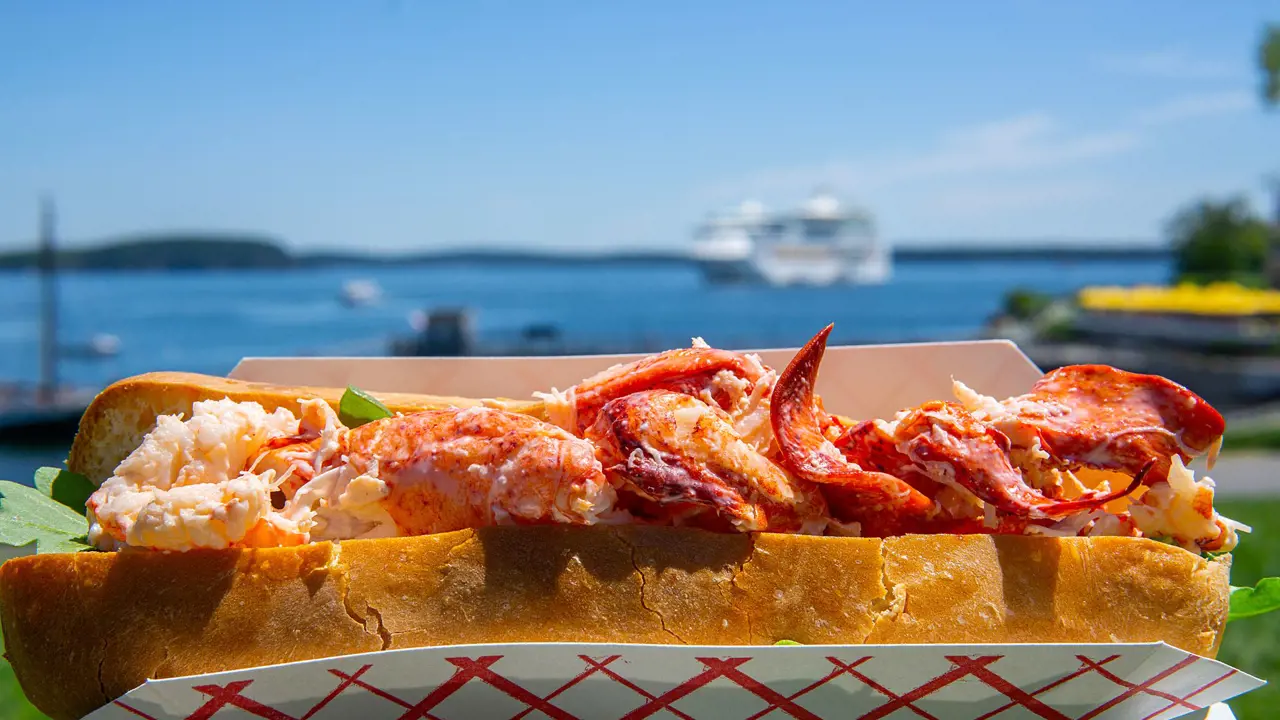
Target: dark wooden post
48	304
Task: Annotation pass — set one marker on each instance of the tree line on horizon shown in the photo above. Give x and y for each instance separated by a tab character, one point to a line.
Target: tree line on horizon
242	251
179	251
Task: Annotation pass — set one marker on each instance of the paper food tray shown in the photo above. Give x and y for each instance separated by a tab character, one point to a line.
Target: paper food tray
568	681
560	680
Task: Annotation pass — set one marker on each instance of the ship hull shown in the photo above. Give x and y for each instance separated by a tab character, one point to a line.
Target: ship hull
781	267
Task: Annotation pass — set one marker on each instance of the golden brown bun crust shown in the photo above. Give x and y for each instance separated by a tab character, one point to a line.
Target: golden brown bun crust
83	629
116	421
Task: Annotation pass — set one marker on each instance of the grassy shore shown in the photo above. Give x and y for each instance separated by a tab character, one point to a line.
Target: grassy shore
1265	437
13	705
1252	645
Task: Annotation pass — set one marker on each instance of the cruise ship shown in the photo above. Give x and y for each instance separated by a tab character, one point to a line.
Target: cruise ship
821	243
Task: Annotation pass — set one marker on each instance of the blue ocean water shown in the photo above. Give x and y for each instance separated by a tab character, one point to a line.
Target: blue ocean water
207	321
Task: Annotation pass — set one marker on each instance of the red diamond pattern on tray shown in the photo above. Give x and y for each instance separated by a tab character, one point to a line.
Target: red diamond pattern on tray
1140	691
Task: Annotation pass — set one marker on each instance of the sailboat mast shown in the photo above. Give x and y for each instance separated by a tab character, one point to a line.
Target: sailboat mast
48	304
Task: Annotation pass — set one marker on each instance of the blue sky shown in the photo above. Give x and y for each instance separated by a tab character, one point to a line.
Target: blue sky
408	124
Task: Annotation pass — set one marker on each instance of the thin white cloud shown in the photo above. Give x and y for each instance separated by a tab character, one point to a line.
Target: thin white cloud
981	200
1167	64
1010	172
1021	144
990	170
1192	107
1032	141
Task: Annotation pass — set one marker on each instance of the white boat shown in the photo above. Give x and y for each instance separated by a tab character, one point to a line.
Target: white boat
357	293
821	243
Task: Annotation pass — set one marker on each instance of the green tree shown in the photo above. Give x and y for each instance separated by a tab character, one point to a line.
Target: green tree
1269	63
1219	241
1025	304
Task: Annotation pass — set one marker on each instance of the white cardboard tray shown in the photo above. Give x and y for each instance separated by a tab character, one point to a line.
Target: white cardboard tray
570	681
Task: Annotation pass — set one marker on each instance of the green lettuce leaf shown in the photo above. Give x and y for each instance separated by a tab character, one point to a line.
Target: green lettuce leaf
1247	602
1170	541
787	642
70	489
29	516
358	407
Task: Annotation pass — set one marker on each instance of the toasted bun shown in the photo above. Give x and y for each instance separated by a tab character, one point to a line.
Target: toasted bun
118	418
84	629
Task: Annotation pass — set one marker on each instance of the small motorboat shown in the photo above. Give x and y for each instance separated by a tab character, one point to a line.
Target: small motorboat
441	332
358	293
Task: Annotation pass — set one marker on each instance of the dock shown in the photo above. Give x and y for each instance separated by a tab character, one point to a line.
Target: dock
26	419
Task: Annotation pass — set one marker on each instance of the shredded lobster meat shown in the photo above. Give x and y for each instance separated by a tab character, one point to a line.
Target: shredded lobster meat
192	483
201	484
698	437
1015	458
685	461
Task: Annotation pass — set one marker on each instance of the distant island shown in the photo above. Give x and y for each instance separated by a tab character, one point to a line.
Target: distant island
211	251
194	251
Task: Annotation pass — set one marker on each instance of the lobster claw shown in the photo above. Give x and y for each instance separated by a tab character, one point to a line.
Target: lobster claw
807	453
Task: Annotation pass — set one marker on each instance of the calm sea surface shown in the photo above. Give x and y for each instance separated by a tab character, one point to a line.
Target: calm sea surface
205	322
